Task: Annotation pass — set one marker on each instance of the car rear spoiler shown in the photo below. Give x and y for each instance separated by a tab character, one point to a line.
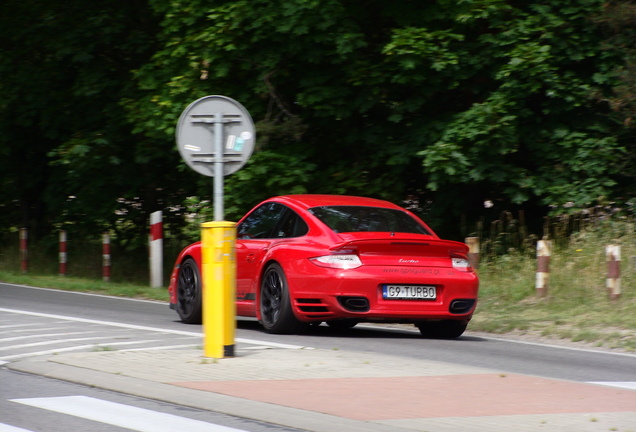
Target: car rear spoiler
450	245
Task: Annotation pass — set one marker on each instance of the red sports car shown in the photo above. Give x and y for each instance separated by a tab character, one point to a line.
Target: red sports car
304	259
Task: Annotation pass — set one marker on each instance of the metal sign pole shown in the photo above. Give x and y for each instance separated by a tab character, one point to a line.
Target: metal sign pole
218	157
218	168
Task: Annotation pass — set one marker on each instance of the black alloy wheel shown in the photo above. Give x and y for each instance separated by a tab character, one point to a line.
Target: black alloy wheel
189	295
275	307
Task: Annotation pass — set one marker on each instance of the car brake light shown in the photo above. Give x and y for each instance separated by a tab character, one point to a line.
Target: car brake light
341	261
461	264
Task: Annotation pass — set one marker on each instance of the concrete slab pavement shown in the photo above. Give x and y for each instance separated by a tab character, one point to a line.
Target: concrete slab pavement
338	390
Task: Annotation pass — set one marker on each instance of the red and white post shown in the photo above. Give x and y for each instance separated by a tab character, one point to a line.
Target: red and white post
544	250
156	249
24	252
613	256
473	251
63	256
106	257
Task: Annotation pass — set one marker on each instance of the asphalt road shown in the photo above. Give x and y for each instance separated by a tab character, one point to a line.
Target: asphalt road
35	323
495	353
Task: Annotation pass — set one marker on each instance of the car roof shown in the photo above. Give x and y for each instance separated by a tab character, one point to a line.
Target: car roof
311	200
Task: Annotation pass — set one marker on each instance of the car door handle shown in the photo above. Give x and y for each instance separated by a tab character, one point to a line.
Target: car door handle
250	257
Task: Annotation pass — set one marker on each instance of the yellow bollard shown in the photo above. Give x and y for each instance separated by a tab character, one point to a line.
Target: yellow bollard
218	256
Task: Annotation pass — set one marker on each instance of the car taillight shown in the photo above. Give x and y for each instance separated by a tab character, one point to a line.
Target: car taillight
461	264
340	261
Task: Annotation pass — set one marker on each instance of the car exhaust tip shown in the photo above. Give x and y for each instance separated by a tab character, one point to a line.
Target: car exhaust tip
354	304
461	306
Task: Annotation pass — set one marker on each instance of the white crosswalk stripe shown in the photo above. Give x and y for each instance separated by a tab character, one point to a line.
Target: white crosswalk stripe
116	414
55	335
72	348
630	385
62	334
41	335
9	428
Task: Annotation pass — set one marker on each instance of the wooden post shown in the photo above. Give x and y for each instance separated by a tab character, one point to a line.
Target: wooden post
62	255
24	253
544	250
613	256
473	251
106	257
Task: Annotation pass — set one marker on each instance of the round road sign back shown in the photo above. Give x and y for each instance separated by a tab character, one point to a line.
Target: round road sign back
196	134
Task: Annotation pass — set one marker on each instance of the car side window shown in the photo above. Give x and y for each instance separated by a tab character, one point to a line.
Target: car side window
261	222
291	225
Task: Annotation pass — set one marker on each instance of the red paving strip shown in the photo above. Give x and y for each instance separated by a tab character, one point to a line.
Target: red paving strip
385	398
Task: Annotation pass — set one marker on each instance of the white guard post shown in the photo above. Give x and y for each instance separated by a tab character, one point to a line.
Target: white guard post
106	257
473	251
613	254
156	249
24	252
63	256
544	251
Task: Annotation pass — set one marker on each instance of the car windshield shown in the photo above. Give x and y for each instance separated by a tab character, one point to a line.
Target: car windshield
367	219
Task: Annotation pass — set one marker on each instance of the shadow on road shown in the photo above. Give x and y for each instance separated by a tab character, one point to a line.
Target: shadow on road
361	331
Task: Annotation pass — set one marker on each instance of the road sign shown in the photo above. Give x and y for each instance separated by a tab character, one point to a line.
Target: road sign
215	136
197	130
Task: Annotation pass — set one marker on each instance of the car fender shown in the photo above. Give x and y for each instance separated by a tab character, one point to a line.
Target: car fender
192	251
282	256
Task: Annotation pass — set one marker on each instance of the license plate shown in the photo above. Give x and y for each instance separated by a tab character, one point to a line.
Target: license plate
417	292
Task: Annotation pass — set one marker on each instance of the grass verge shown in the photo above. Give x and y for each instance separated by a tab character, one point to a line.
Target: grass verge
86	285
577	308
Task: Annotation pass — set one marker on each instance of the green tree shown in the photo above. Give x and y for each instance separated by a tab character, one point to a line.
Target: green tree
71	156
447	103
529	126
456	102
312	75
618	22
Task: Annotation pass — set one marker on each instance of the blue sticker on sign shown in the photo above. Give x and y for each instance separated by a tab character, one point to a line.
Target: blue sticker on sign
238	144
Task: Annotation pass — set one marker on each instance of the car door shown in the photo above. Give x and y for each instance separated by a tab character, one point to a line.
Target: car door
254	236
269	225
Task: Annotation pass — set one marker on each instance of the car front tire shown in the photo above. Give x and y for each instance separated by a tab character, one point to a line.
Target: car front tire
189	293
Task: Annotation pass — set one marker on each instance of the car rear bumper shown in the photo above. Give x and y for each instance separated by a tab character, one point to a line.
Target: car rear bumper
331	294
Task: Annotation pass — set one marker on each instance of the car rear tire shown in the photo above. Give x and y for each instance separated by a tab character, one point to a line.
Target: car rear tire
275	305
189	293
448	329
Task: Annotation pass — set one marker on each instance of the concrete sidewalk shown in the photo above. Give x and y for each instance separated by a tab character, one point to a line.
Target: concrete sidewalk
323	390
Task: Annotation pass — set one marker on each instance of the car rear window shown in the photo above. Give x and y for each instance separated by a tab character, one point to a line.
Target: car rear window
367	219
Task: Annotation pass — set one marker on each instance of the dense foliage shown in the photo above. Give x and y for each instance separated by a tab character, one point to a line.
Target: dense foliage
444	105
